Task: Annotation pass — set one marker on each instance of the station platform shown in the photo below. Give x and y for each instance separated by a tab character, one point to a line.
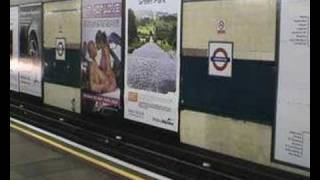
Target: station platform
36	157
32	160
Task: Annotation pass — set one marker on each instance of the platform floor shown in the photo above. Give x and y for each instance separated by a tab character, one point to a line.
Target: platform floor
32	160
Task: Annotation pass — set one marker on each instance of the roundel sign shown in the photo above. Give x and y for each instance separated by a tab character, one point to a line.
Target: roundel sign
220	59
60	49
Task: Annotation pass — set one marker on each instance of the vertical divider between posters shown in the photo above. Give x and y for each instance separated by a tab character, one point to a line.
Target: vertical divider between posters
80	52
42	56
124	55
19	94
180	100
20	98
277	57
123	50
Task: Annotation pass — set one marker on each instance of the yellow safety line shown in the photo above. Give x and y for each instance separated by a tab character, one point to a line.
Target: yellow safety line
78	154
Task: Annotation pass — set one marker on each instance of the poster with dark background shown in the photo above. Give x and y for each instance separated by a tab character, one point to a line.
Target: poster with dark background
30	50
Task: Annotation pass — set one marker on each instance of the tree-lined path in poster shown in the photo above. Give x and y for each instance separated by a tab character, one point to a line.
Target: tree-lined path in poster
152	69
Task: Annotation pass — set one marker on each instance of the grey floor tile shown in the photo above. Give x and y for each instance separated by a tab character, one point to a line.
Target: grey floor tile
15	176
82	174
47	166
27	153
30	160
15	138
36	178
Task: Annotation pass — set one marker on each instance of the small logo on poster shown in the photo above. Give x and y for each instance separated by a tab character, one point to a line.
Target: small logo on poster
220	59
60	49
133	97
221	27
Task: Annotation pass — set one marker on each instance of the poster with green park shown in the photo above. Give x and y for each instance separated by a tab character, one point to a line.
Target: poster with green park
152	66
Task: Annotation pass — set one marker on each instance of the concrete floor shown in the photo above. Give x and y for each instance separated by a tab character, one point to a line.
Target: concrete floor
31	160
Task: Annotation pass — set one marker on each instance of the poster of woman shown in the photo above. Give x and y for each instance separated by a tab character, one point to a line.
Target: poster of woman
101	63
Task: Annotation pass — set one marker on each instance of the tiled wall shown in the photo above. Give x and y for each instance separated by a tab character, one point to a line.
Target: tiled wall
246	140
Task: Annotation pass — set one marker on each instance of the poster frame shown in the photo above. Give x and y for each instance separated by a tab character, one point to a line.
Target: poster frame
13	92
16	94
119	112
274	122
180	78
22	95
180	100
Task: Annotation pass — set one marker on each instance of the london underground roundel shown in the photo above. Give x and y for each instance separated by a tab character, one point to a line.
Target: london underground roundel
220	59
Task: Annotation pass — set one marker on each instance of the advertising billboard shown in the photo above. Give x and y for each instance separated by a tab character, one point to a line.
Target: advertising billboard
30	49
152	68
14	48
101	55
292	128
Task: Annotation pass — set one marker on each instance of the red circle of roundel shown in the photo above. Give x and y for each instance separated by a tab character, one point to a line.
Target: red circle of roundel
214	61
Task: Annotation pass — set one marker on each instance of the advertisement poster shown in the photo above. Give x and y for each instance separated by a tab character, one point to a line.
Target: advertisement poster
101	65
14	48
292	128
152	65
220	59
30	37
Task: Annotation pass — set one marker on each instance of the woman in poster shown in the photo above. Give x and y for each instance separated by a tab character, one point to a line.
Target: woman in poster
102	77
